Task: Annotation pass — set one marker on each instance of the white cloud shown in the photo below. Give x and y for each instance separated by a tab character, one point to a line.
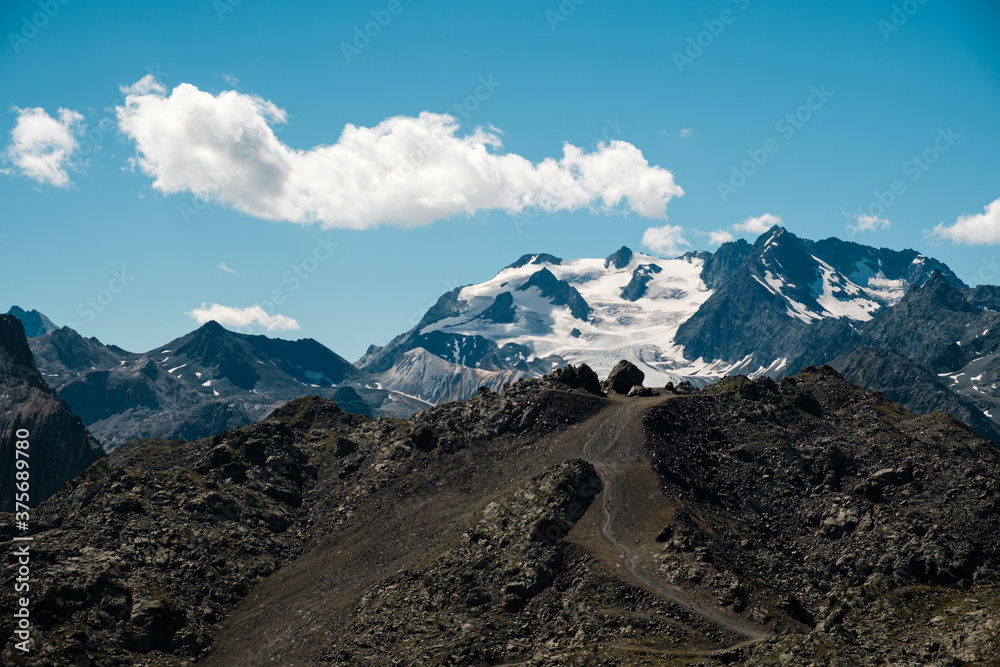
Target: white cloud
41	146
225	268
685	132
665	240
403	171
976	229
758	225
869	223
718	237
231	80
147	85
242	317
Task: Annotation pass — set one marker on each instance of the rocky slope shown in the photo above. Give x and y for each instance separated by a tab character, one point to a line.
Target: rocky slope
914	387
802	521
203	383
60	446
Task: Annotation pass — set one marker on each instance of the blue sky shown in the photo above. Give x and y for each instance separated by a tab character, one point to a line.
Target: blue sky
834	100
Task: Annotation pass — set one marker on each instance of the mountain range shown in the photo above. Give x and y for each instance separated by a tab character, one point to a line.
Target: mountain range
205	382
894	321
769	308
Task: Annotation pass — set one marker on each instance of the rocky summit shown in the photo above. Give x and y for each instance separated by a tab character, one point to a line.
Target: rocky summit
59	448
801	521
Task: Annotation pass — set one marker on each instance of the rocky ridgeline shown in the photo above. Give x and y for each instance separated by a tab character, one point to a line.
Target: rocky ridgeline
854	531
812	504
139	559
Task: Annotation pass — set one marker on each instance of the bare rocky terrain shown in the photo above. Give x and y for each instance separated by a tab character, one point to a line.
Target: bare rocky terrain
796	522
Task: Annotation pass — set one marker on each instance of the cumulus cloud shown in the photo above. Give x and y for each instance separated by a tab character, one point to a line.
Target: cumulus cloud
685	132
41	147
242	317
976	229
869	223
404	171
665	240
225	268
758	225
718	237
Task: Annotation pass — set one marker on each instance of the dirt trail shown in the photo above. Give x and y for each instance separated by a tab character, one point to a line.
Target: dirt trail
633	509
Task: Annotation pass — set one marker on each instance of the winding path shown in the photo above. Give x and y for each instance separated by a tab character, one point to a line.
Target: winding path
631	489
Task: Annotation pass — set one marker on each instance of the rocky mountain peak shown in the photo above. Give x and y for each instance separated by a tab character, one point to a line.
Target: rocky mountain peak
35	323
619	258
535	258
14	348
559	292
938	292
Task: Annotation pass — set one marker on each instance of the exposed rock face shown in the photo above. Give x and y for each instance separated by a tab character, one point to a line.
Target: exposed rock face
619	258
913	387
560	292
502	311
636	288
579	377
540	258
795	522
623	377
60	446
841	504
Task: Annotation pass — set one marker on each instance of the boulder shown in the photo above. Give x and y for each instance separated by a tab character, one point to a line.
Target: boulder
623	377
580	377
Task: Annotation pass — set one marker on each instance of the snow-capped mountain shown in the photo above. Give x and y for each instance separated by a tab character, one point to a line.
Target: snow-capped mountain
696	317
784	301
543	311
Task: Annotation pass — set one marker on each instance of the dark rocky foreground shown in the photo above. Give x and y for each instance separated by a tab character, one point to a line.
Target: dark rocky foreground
794	522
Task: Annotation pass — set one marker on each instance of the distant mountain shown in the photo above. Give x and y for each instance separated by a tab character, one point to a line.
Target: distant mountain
905	382
59	445
430	378
789	301
205	382
767	308
542	312
35	324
